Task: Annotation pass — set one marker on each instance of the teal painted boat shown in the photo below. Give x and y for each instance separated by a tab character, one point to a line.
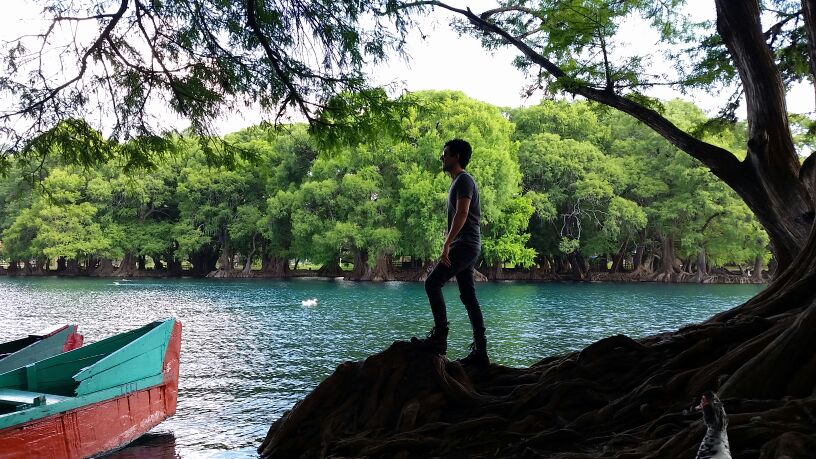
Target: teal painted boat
93	399
38	346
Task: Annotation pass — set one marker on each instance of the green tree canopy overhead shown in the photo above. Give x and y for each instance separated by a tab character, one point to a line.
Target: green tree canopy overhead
121	61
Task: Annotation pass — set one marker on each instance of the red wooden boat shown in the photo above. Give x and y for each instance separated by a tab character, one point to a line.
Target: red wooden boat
91	400
38	346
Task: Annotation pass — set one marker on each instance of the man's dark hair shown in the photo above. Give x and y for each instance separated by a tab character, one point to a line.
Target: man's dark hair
461	149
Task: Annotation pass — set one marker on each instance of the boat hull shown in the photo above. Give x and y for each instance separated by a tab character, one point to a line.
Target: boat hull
100	427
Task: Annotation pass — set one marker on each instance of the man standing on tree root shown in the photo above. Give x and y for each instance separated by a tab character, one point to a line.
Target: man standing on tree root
459	256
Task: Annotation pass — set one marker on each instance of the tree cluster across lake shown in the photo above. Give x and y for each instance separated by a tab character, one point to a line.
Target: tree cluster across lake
568	190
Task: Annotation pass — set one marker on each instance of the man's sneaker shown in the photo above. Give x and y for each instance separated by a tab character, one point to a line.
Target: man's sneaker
478	354
436	342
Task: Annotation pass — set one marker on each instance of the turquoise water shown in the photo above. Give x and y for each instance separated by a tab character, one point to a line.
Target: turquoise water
250	349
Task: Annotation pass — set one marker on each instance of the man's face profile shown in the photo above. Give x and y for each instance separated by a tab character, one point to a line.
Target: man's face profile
448	160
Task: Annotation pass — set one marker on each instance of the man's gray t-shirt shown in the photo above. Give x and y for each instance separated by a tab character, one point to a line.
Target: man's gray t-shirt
463	186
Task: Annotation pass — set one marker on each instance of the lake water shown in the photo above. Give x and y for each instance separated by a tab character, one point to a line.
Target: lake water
250	349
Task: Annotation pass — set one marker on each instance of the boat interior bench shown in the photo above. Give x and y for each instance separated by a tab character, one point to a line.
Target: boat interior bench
15	400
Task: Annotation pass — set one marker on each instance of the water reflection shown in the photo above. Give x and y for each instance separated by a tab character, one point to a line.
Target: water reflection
149	446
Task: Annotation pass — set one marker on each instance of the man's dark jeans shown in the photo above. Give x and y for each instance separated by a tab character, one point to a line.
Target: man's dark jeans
463	259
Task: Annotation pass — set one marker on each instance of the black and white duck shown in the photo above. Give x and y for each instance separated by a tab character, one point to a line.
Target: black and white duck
715	442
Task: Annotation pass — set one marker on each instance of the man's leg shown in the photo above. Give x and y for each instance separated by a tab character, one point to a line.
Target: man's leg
433	288
437	340
467	293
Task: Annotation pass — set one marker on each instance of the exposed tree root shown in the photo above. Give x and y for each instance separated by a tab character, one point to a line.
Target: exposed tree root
618	398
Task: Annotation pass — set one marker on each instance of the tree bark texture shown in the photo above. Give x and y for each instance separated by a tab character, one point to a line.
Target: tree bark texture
809	14
128	267
668	269
383	269
275	266
105	268
757	274
769	180
702	271
361	269
331	269
204	260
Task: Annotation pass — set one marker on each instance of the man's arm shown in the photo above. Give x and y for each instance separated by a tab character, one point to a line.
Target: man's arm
459	218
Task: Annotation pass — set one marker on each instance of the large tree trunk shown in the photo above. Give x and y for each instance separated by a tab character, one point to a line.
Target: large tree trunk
545	265
769	177
41	267
580	271
383	269
620	257
127	267
756	276
668	268
639	251
247	271
62	264
71	268
104	268
225	260
157	263
204	260
361	269
494	271
702	271
173	263
331	269
275	266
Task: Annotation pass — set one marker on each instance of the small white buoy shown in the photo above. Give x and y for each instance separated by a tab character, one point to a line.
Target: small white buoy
310	303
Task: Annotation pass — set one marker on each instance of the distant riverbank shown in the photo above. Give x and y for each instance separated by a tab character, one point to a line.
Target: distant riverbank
722	276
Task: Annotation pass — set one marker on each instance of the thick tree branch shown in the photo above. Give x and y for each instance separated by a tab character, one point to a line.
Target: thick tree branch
607	70
516	8
721	162
809	13
739	26
83	18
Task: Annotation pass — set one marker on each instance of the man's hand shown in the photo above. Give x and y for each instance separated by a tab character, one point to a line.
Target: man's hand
444	257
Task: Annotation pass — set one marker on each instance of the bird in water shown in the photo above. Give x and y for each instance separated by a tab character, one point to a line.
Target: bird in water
715	442
309	303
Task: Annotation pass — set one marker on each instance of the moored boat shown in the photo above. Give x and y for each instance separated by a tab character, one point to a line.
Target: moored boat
37	346
94	399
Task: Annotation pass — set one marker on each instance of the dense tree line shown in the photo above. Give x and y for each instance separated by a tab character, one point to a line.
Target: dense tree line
567	189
